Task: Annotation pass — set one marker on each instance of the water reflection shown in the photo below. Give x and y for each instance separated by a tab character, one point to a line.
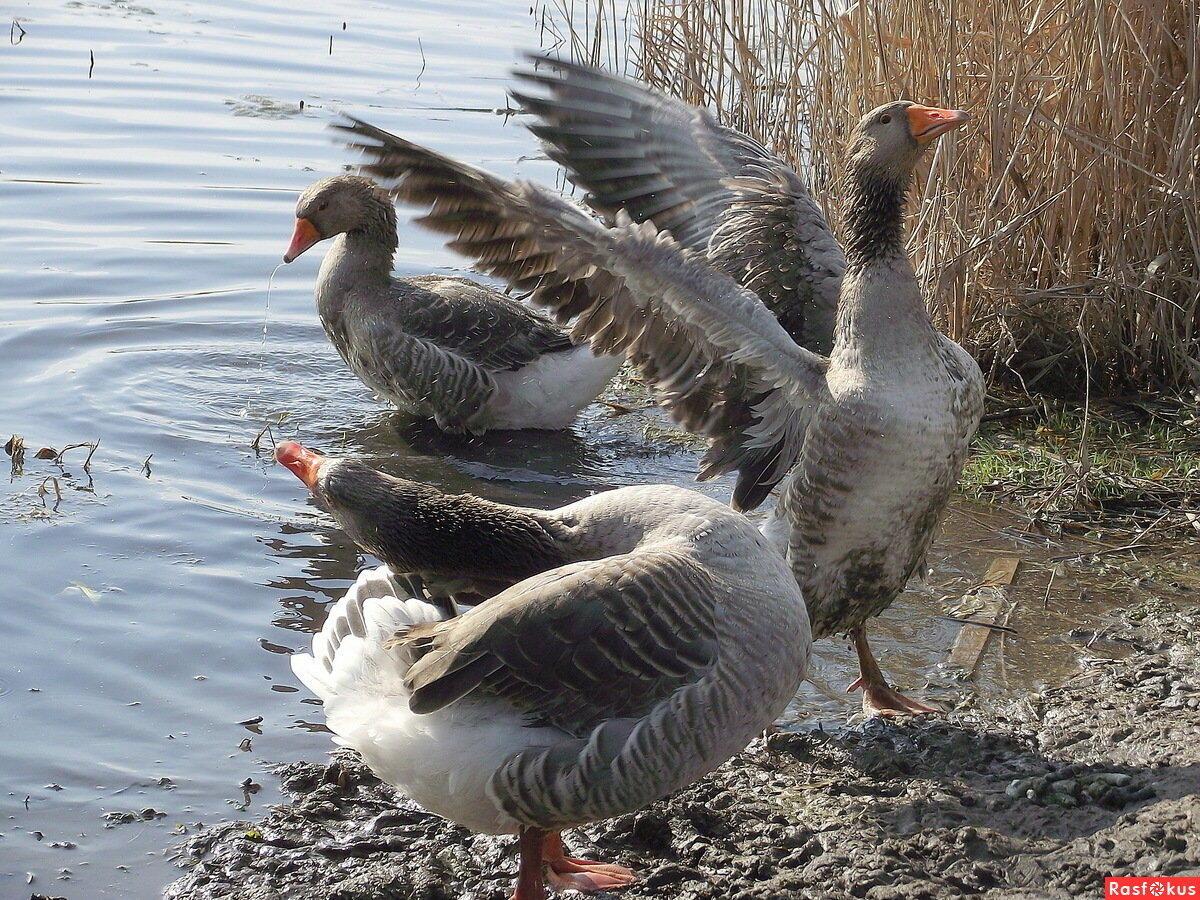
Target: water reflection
143	215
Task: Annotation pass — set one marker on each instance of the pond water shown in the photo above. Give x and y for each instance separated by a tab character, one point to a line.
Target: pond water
152	155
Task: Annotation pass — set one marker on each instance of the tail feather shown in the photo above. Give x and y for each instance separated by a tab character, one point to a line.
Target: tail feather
351	658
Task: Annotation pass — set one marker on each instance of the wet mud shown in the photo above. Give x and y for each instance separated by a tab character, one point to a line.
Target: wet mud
1037	794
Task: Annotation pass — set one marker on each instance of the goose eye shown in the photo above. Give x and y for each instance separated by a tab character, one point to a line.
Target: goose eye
885	118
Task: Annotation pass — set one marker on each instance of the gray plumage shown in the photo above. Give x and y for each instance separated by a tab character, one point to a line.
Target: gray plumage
664	637
719	193
875	436
439	347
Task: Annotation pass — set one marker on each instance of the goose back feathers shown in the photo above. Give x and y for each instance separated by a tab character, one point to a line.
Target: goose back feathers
668	638
439	347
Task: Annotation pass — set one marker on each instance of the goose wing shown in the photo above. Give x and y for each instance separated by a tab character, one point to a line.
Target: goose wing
476	322
695	333
718	191
422	372
577	645
614	652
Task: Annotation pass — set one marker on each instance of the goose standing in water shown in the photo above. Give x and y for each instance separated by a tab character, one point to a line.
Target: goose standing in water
439	347
874	436
641	637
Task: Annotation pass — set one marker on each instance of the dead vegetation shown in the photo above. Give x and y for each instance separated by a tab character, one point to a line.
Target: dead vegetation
1059	238
49	485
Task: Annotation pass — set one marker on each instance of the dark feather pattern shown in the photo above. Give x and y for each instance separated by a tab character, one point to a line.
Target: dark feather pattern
476	322
693	331
719	193
576	647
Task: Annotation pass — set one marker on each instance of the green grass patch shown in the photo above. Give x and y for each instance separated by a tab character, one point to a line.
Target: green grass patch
1116	459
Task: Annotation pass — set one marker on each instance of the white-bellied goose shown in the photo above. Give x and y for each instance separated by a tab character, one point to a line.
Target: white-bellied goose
643	636
874	436
439	347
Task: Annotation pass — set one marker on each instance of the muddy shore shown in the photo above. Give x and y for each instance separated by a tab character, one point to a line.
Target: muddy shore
1040	795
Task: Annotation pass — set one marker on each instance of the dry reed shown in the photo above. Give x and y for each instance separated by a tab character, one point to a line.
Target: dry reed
1059	237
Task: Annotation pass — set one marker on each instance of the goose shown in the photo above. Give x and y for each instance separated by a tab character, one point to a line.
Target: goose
644	636
435	346
870	440
721	195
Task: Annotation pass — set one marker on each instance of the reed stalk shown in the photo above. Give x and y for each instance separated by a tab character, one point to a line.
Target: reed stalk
1058	236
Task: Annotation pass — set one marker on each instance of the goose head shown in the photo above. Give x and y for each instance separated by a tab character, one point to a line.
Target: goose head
884	148
889	138
343	204
363	500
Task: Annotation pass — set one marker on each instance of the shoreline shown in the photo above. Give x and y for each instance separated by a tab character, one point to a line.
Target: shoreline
1040	795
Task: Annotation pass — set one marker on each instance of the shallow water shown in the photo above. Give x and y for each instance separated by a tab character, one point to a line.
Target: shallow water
151	610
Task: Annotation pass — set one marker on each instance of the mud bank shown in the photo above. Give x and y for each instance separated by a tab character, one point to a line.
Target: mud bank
1037	796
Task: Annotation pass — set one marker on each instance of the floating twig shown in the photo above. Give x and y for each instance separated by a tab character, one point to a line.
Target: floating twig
43	492
1049	587
146	465
87	463
992	625
421	48
13	37
92	65
256	444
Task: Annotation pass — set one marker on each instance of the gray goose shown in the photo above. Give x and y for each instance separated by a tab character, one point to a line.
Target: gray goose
643	636
720	194
438	347
874	436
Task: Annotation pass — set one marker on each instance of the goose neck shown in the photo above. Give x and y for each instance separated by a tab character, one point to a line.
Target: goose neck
881	312
875	214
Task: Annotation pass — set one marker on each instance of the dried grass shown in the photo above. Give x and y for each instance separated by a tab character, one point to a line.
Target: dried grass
1059	237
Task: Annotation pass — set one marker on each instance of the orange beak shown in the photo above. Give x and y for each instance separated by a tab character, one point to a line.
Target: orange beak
929	122
304	464
303	237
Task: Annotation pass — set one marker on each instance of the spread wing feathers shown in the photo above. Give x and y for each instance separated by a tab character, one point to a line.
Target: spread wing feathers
774	240
762	437
718	191
635	149
476	322
630	288
576	646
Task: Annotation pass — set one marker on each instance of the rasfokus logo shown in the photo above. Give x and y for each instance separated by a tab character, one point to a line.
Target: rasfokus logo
1152	886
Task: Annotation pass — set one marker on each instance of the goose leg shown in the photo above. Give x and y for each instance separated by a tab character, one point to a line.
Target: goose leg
568	873
531	884
879	698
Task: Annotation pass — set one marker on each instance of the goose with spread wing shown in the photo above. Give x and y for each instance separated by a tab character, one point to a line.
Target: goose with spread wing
721	195
871	439
436	346
639	638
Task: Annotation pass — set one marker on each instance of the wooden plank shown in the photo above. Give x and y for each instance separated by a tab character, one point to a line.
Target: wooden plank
971	640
